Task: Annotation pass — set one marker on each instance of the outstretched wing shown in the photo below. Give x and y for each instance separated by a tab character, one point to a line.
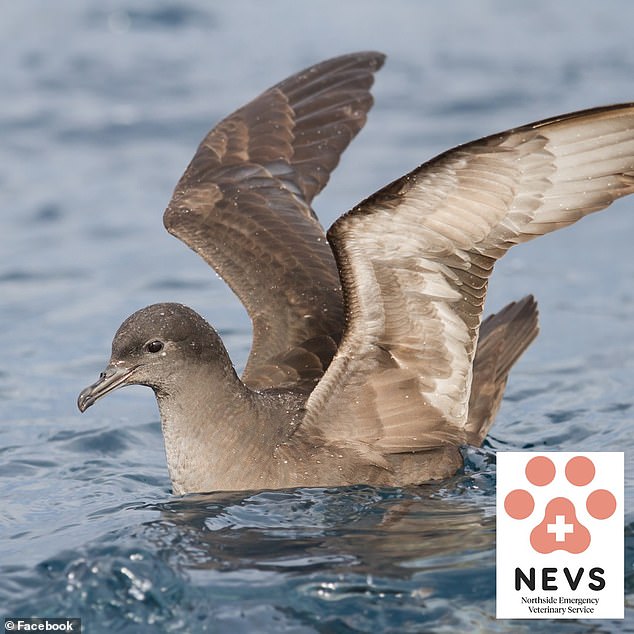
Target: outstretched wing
243	204
415	259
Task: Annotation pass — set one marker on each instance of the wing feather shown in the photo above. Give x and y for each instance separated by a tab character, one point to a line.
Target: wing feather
243	204
415	259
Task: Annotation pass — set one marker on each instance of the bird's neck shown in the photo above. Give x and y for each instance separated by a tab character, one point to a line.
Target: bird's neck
215	436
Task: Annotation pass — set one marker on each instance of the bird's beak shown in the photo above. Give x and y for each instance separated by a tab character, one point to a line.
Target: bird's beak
110	379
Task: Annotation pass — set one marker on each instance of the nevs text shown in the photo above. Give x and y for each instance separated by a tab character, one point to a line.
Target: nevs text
553	578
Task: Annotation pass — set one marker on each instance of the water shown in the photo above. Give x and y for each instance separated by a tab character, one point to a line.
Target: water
102	106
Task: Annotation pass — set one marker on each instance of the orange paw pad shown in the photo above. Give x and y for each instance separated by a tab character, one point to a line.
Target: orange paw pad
559	529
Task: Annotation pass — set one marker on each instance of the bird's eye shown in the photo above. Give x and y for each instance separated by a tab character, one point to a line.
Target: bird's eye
154	346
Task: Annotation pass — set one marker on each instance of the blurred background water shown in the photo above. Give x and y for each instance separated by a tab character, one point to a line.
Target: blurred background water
102	105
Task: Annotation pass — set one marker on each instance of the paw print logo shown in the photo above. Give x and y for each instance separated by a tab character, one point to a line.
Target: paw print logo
560	528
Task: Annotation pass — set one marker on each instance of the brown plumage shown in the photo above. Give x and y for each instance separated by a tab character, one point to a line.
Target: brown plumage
369	359
243	204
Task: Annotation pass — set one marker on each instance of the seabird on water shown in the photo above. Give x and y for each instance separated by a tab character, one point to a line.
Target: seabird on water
369	363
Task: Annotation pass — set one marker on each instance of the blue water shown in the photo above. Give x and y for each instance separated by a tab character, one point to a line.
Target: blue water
102	105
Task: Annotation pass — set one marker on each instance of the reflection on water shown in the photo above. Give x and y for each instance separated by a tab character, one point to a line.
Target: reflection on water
339	550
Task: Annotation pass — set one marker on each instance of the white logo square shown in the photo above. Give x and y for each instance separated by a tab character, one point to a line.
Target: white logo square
560	543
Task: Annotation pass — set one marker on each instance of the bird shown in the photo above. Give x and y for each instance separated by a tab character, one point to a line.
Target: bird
371	362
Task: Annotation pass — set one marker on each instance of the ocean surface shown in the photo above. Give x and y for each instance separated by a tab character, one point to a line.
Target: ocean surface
102	105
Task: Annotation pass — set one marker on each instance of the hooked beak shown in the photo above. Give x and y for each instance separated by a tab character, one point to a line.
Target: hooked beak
110	379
